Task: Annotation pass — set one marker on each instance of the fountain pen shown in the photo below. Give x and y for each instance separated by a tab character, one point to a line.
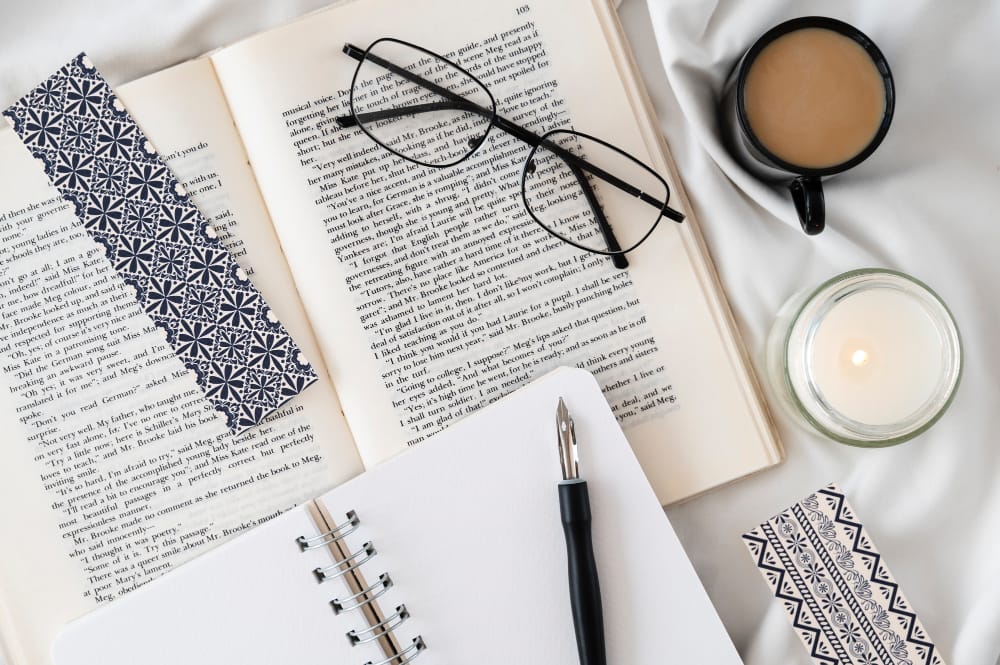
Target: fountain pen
574	506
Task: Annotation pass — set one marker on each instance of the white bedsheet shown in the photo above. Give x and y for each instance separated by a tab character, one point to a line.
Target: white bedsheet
927	203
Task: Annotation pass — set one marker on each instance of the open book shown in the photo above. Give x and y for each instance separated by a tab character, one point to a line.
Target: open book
115	469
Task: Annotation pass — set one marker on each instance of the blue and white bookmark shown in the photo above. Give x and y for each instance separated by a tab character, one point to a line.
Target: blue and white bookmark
841	599
159	242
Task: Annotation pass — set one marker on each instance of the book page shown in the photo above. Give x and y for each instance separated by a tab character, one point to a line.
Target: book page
115	468
433	292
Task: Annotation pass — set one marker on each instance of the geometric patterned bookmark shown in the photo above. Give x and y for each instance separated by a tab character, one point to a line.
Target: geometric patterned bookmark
159	242
841	598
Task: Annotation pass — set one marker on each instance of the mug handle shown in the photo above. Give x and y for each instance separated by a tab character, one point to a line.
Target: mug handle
807	193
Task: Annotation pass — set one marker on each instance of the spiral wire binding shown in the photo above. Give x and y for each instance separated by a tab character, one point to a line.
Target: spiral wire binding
363	597
387	625
353	561
407	655
337	533
325	573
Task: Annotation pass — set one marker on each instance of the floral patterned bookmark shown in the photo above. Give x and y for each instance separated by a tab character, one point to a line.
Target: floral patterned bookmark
839	594
184	278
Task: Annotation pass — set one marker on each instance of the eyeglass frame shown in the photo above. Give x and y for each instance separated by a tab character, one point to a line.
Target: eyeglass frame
459	102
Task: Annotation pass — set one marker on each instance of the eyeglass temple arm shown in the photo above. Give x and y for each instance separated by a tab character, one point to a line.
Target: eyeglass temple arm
618	258
515	130
412	109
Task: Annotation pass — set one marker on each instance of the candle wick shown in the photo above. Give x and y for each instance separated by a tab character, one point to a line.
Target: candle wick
859	358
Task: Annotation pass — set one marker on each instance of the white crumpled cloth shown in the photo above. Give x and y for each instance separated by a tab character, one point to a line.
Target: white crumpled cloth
925	203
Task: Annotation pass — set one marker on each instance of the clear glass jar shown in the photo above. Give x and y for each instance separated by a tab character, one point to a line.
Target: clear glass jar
870	358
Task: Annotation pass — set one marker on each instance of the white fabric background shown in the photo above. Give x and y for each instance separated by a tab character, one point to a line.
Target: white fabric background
925	203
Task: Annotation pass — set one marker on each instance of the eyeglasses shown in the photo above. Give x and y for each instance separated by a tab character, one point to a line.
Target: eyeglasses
430	111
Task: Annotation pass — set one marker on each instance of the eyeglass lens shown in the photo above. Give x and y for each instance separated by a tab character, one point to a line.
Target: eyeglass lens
437	117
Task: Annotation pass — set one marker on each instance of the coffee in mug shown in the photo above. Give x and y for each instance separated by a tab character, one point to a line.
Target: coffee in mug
811	98
814	97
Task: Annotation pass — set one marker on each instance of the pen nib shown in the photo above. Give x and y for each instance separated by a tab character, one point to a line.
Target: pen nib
567	442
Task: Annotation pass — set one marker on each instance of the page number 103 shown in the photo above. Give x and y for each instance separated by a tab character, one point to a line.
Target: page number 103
523	9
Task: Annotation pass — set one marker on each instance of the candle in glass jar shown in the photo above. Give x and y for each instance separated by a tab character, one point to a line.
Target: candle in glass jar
876	356
870	358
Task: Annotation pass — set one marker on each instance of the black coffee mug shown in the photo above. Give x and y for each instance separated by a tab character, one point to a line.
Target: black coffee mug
805	183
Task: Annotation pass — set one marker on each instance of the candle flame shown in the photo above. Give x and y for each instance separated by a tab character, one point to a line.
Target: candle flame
859	358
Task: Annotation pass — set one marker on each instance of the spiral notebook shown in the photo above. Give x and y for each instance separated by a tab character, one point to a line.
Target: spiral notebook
450	553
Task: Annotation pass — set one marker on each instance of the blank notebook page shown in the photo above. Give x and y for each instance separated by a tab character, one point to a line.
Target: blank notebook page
467	526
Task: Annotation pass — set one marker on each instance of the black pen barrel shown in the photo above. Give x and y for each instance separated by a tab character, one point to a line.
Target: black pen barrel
584	588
